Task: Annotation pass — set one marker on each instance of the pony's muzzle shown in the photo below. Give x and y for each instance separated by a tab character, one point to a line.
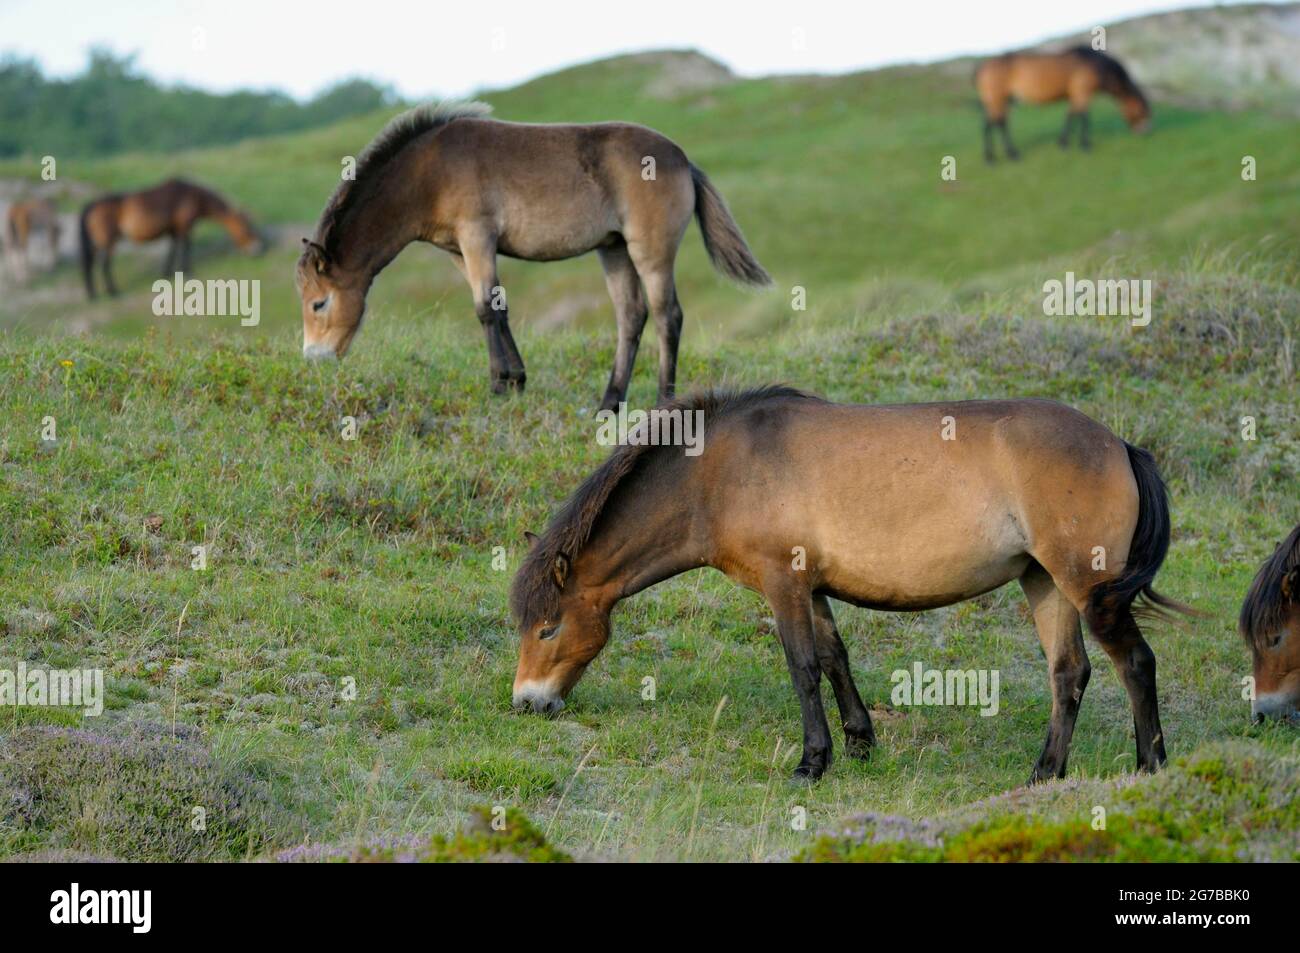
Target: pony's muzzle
537	698
1275	705
318	352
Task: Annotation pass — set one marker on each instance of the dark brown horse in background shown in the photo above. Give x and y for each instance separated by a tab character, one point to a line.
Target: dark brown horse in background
478	188
170	209
1270	623
901	508
1077	74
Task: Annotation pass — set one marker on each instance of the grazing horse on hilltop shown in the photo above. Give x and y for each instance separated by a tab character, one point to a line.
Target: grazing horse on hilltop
902	508
170	209
24	220
1270	623
1076	74
478	188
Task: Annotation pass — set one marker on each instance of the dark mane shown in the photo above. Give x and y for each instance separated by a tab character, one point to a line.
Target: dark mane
534	596
392	139
1264	610
1114	78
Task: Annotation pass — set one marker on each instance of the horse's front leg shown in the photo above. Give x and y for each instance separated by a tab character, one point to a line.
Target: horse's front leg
859	737
1085	131
185	252
169	260
792	605
477	262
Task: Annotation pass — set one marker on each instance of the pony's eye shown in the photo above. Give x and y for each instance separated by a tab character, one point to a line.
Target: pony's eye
319	304
548	632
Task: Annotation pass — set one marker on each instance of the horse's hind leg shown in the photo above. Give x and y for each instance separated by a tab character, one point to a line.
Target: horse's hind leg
1119	635
859	738
1011	150
794	621
107	268
1064	141
1057	622
631	312
661	293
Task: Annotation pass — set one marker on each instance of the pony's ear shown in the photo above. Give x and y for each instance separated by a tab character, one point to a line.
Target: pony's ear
560	570
532	538
1291	585
315	256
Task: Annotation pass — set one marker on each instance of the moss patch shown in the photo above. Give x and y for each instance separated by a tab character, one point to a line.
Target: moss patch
1223	803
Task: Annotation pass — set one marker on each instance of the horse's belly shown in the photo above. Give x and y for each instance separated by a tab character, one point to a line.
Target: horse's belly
552	244
924	562
138	225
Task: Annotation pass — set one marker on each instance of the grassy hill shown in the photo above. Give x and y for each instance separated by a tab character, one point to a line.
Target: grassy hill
372	560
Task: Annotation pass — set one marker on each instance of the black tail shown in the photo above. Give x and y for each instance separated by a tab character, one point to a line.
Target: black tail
87	250
1146	552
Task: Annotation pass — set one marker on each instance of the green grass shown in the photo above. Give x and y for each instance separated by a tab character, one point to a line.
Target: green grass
369	563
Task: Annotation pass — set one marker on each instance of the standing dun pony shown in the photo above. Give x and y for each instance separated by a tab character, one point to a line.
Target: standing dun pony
902	508
1077	74
478	188
170	209
1270	623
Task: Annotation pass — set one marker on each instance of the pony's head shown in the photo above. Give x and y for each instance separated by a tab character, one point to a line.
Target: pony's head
562	627
1270	623
1136	110
245	233
332	304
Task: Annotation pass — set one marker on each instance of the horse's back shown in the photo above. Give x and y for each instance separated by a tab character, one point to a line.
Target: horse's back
920	505
558	190
1034	77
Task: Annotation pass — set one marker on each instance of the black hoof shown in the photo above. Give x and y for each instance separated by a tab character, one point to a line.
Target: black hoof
859	746
516	383
499	386
811	768
1040	775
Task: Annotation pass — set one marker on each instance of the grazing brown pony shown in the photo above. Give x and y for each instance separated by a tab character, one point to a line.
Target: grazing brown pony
902	508
170	209
478	188
1270	623
25	219
1077	74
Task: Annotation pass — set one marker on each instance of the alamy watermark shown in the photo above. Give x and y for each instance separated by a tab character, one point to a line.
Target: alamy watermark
1130	297
931	686
216	297
658	427
56	687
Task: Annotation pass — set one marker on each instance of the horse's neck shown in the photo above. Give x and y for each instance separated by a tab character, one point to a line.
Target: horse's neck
386	220
646	537
212	205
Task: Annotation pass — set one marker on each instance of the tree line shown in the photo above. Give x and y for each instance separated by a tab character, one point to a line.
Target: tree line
112	107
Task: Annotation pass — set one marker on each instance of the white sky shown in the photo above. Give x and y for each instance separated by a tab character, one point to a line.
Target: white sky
453	47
